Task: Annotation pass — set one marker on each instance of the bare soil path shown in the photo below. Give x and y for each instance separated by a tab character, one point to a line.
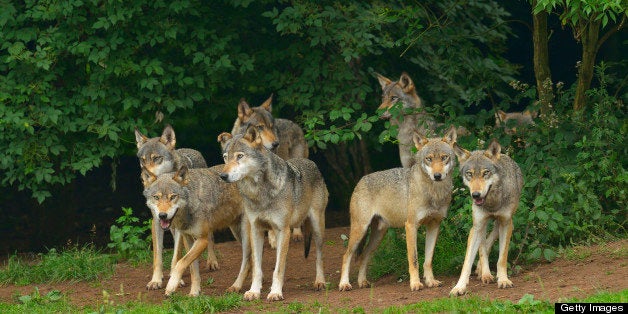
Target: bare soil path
597	268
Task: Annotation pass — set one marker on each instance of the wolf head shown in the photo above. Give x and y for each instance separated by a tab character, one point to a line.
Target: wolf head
435	155
510	120
242	154
259	117
156	154
165	194
479	170
401	91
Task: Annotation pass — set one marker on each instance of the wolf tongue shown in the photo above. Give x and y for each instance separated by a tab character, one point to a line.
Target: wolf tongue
165	224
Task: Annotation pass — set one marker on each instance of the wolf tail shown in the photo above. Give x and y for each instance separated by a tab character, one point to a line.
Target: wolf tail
307	236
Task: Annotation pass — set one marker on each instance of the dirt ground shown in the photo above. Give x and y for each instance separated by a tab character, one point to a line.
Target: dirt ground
597	268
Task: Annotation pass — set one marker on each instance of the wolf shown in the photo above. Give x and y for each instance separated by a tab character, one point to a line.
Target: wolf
400	197
413	117
495	182
277	195
510	120
196	202
284	137
158	155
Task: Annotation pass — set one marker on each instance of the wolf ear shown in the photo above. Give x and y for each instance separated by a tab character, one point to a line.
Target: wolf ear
168	138
451	136
223	138
253	136
461	153
268	104
494	150
181	176
147	177
244	110
383	81
140	139
419	140
500	115
406	83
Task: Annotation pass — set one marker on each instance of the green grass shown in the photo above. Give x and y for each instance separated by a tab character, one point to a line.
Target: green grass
57	302
73	264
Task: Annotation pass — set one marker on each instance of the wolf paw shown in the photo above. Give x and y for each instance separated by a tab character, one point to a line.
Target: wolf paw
181	283
251	295
364	284
274	296
297	235
486	278
456	291
431	283
416	286
344	287
233	289
319	285
153	285
212	265
504	283
195	293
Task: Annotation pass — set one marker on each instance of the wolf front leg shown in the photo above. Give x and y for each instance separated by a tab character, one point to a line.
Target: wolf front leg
158	247
191	258
257	249
505	232
283	242
431	235
245	266
413	259
477	233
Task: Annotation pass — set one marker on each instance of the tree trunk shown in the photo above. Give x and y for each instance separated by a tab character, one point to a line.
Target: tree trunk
589	34
542	72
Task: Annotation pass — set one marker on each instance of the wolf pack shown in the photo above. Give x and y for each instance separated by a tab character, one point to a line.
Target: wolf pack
268	188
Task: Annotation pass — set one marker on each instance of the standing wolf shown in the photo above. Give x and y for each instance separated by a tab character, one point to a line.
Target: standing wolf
495	182
196	202
400	197
412	119
284	137
158	155
277	195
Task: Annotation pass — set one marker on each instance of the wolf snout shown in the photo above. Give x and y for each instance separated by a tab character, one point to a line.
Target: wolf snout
163	216
438	176
275	144
224	176
476	195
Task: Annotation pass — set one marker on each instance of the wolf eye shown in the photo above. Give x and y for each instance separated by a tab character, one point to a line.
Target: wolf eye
260	127
239	156
158	159
394	99
444	158
468	174
486	173
156	197
224	156
173	197
428	159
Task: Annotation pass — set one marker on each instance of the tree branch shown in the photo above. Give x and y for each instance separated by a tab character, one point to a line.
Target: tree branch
610	32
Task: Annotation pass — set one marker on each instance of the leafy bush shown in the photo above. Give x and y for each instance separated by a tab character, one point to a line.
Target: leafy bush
575	183
128	237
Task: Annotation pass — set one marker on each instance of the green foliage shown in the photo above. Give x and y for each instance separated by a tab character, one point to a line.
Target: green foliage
576	12
575	184
128	237
36	297
77	76
72	264
205	304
